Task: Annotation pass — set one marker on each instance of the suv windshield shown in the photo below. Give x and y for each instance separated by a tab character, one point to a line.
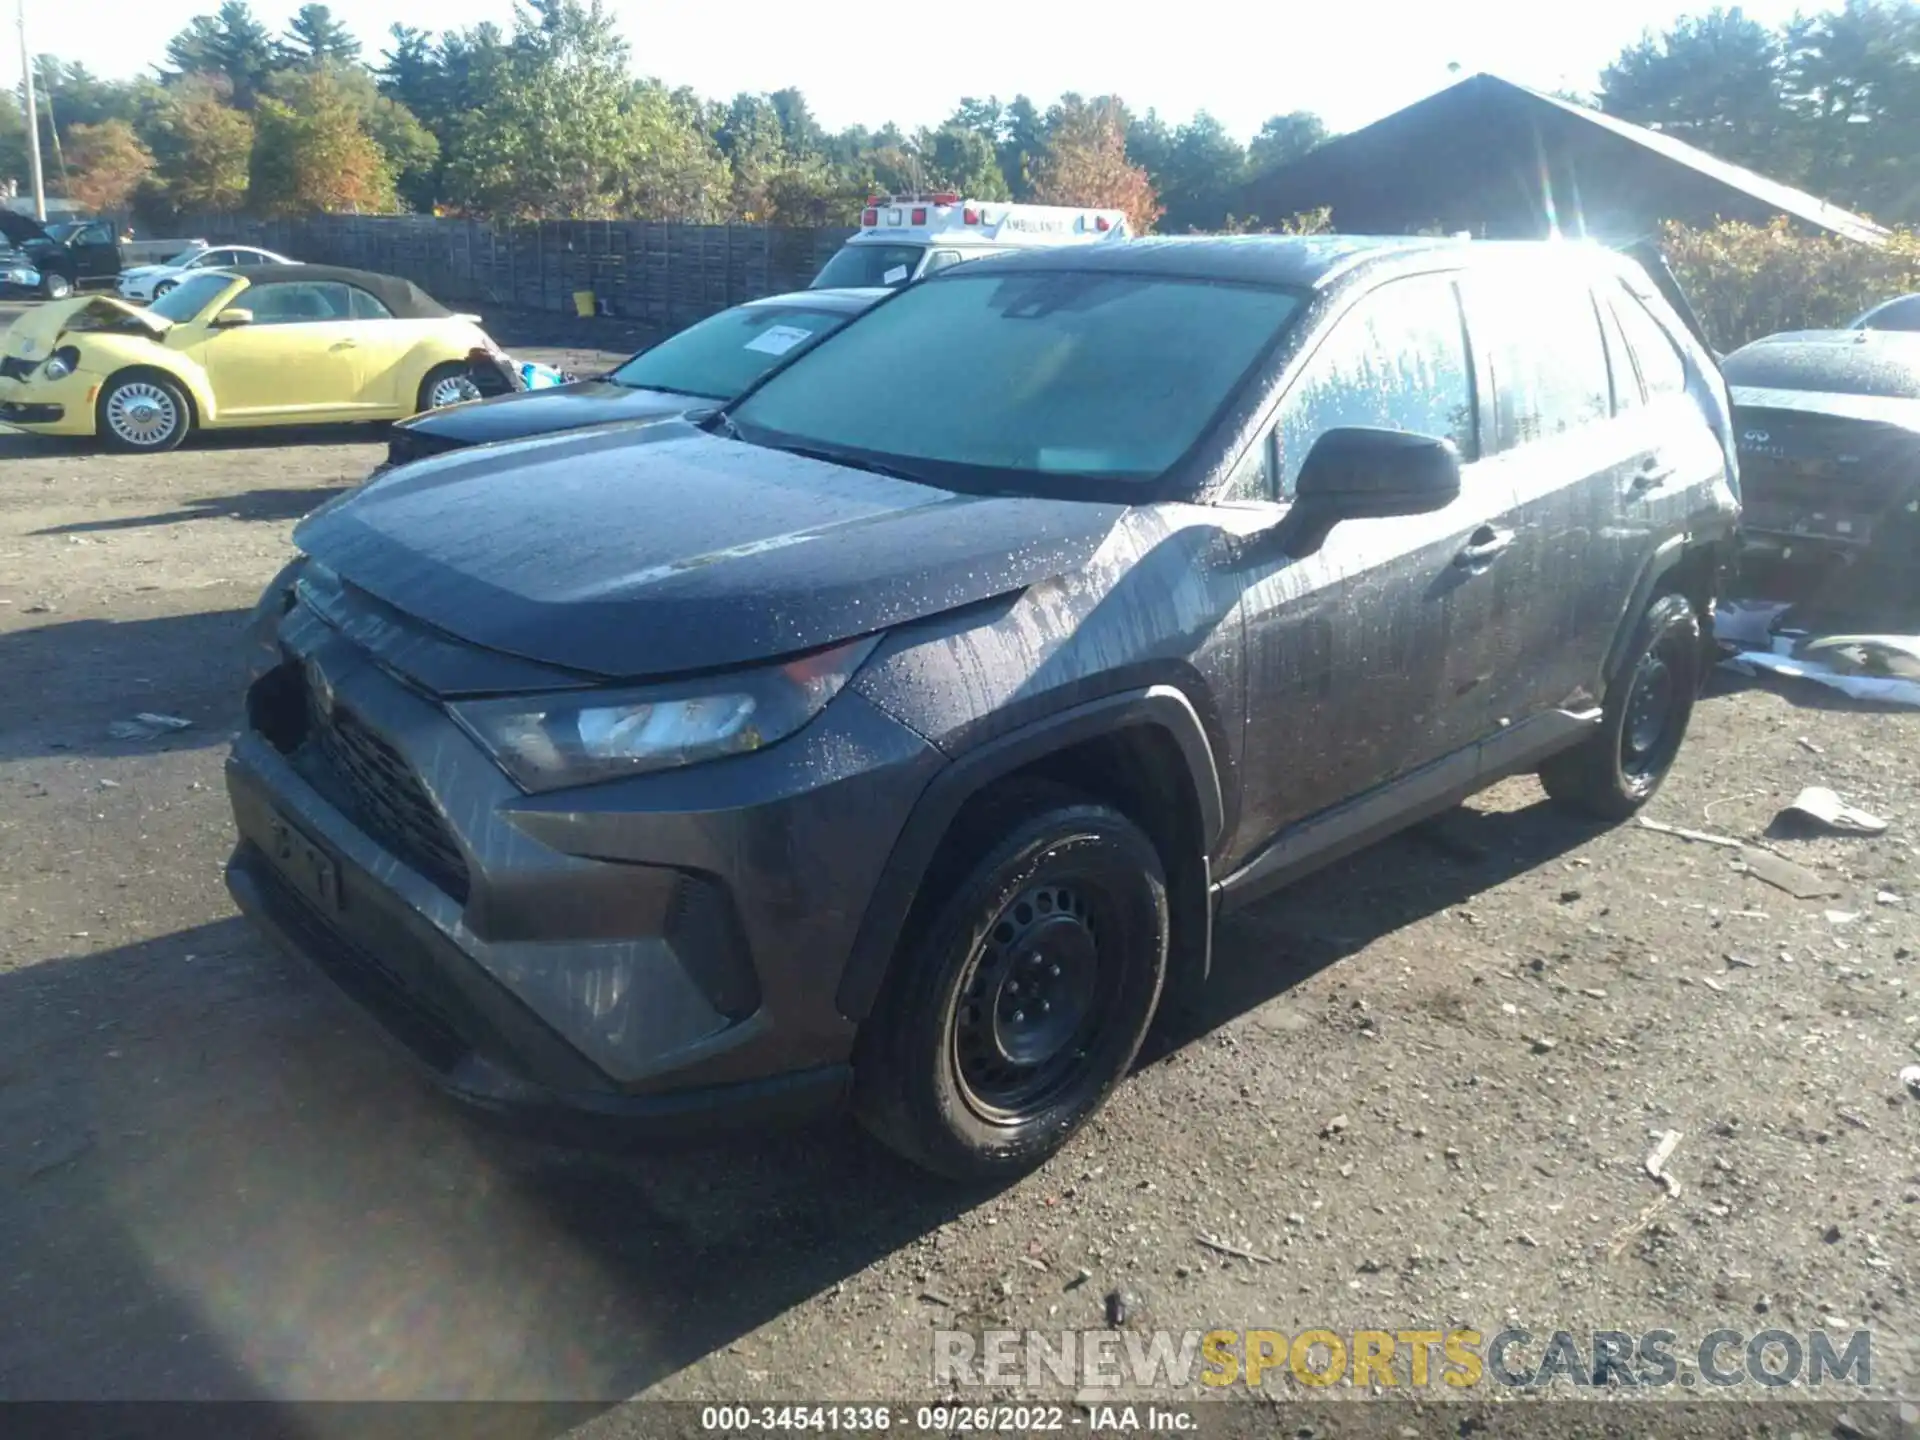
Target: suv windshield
721	356
189	297
1022	376
861	267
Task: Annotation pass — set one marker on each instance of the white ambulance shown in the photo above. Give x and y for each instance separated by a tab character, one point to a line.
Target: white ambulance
903	237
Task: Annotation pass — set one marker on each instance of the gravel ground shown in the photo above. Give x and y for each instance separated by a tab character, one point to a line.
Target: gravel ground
1420	1094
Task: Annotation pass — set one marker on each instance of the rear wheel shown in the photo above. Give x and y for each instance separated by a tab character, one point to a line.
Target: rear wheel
1010	1016
1617	770
448	384
55	286
143	412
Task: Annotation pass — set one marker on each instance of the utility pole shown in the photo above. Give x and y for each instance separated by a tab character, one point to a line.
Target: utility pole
33	123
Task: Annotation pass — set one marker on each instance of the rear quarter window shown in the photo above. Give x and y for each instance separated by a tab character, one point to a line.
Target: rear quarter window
1546	366
1655	356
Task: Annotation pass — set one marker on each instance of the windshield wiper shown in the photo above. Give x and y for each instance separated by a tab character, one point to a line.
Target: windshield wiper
614	376
850	462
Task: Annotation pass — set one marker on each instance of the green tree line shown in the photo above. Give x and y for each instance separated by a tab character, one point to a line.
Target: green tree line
546	119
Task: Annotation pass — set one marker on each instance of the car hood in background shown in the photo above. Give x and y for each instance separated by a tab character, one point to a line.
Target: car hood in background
657	550
542	412
36	333
22	230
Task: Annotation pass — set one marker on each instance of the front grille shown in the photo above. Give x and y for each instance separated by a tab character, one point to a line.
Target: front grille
18	367
387	798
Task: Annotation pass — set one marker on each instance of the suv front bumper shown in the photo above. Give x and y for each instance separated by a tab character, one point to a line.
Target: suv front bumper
638	958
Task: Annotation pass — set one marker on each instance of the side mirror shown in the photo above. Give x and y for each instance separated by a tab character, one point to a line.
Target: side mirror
1360	473
227	319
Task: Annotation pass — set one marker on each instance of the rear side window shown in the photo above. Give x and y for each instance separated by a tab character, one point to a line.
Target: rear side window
365	306
1657	358
1396	361
1548	369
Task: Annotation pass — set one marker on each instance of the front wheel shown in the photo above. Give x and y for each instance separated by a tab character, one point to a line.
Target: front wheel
1617	769
54	286
448	384
162	288
1011	1016
142	413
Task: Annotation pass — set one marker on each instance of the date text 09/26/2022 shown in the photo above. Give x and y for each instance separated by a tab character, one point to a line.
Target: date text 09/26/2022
945	1419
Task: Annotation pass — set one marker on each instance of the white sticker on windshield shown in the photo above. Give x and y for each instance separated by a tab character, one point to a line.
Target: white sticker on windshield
778	339
894	276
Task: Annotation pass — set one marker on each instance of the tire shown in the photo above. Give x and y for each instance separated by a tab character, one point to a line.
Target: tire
448	384
162	288
143	413
1614	772
54	286
983	1092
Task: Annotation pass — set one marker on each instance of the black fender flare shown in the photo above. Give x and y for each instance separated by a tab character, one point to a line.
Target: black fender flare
1667	556
1162	707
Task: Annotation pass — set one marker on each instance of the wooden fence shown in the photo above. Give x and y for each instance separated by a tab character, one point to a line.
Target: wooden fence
662	275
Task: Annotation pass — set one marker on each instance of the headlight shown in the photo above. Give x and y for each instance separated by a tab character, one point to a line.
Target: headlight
20	275
61	363
548	742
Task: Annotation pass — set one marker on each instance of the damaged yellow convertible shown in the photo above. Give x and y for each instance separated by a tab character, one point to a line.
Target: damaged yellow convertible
274	345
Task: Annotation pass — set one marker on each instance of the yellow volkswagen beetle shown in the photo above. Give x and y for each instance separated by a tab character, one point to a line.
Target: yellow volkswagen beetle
271	345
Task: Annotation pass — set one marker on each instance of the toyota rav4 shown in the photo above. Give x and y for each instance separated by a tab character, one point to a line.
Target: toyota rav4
895	733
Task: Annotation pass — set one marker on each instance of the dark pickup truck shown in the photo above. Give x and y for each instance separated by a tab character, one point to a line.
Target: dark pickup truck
56	259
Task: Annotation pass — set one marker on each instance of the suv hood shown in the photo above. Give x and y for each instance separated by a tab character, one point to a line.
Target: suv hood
542	412
636	553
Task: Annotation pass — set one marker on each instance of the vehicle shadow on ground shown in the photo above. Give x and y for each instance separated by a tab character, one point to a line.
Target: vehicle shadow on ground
269	505
215	1181
213	1173
1270	947
68	681
21	445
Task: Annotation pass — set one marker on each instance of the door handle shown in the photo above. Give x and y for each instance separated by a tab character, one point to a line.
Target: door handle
347	345
1482	546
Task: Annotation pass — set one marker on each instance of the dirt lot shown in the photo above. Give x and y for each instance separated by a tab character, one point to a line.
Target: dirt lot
1421	1092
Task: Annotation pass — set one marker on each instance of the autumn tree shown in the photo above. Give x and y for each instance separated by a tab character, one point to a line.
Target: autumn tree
106	164
204	147
409	149
312	151
1085	163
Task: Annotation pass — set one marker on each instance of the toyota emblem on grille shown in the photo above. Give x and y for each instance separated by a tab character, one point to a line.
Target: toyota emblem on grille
321	687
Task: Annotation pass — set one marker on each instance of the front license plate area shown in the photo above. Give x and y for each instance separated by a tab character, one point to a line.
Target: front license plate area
306	863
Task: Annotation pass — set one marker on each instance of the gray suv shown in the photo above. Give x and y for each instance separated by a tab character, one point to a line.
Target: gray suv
895	733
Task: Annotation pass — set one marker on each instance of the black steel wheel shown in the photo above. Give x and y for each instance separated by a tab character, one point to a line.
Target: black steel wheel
1022	994
1617	770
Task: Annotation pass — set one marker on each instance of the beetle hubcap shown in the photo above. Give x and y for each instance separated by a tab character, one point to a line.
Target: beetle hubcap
1027	1001
452	391
142	414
